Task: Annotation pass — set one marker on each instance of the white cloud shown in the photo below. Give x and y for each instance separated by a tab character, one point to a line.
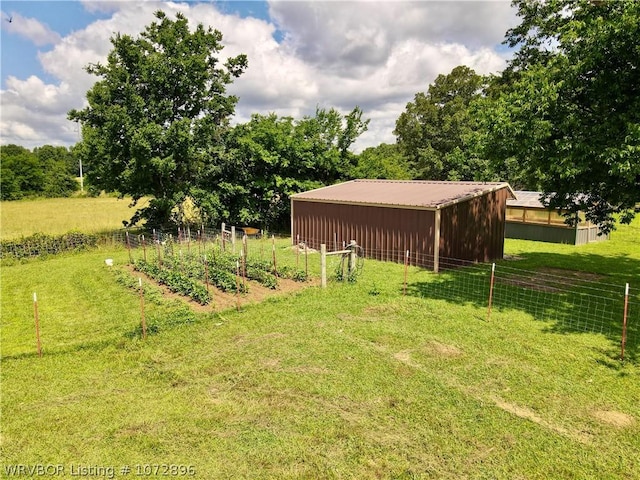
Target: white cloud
31	29
335	54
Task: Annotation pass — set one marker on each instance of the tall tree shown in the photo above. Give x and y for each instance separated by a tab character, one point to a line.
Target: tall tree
60	169
45	172
432	131
383	161
21	175
569	113
157	113
269	158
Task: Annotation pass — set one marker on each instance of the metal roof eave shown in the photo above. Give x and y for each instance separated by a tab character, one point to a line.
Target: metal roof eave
439	206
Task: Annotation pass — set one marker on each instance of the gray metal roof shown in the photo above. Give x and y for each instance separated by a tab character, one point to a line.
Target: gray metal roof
402	193
526	198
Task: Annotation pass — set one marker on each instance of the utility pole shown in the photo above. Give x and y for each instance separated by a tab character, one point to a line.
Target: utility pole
80	160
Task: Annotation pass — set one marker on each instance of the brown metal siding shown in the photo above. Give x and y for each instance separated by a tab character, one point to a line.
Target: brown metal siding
384	233
474	230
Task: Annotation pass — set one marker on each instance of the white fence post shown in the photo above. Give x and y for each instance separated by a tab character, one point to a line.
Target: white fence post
323	265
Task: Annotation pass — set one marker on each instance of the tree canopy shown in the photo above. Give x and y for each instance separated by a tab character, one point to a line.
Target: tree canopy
432	131
568	108
269	158
155	119
46	171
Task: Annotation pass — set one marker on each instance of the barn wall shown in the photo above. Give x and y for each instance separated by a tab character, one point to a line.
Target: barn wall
384	233
541	233
474	230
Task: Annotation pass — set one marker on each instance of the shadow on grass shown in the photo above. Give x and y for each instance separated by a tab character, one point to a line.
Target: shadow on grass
156	324
582	294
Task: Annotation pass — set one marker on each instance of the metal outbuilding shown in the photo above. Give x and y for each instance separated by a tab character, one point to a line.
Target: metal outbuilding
435	221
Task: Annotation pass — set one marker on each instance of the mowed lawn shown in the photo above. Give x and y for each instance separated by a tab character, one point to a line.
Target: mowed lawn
61	215
355	381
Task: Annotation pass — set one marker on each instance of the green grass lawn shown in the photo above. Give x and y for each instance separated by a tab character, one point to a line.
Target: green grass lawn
355	381
61	215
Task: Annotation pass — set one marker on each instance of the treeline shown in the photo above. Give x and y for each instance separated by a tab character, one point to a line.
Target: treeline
562	120
46	171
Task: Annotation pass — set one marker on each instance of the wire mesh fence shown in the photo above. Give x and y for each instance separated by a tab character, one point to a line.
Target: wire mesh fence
574	301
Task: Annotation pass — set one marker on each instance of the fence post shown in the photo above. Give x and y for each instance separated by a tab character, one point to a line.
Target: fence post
159	253
233	238
144	249
245	246
323	265
406	265
37	320
624	321
493	269
273	250
128	246
297	250
223	232
237	285
352	257
243	267
206	272
306	261
142	319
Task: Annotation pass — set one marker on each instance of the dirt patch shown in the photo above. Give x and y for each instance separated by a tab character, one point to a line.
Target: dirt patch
549	280
405	357
441	349
575	276
221	301
616	419
301	250
528	414
386	309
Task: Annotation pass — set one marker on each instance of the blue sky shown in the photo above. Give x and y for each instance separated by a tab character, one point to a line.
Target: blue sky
302	54
20	55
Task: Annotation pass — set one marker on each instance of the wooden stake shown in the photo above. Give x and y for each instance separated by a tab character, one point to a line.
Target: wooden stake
244	266
37	320
406	266
206	272
624	321
237	286
297	250
159	253
142	319
144	249
245	247
306	262
493	269
273	249
323	265
129	247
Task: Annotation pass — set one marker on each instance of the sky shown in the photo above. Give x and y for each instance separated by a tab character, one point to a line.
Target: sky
302	55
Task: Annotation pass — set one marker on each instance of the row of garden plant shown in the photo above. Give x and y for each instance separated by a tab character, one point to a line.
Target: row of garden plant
191	274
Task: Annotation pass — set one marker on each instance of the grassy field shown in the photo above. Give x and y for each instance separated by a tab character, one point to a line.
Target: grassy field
355	381
62	215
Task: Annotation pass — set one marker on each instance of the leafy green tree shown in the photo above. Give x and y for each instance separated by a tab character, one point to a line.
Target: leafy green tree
269	158
432	132
157	115
569	110
59	168
21	174
383	161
